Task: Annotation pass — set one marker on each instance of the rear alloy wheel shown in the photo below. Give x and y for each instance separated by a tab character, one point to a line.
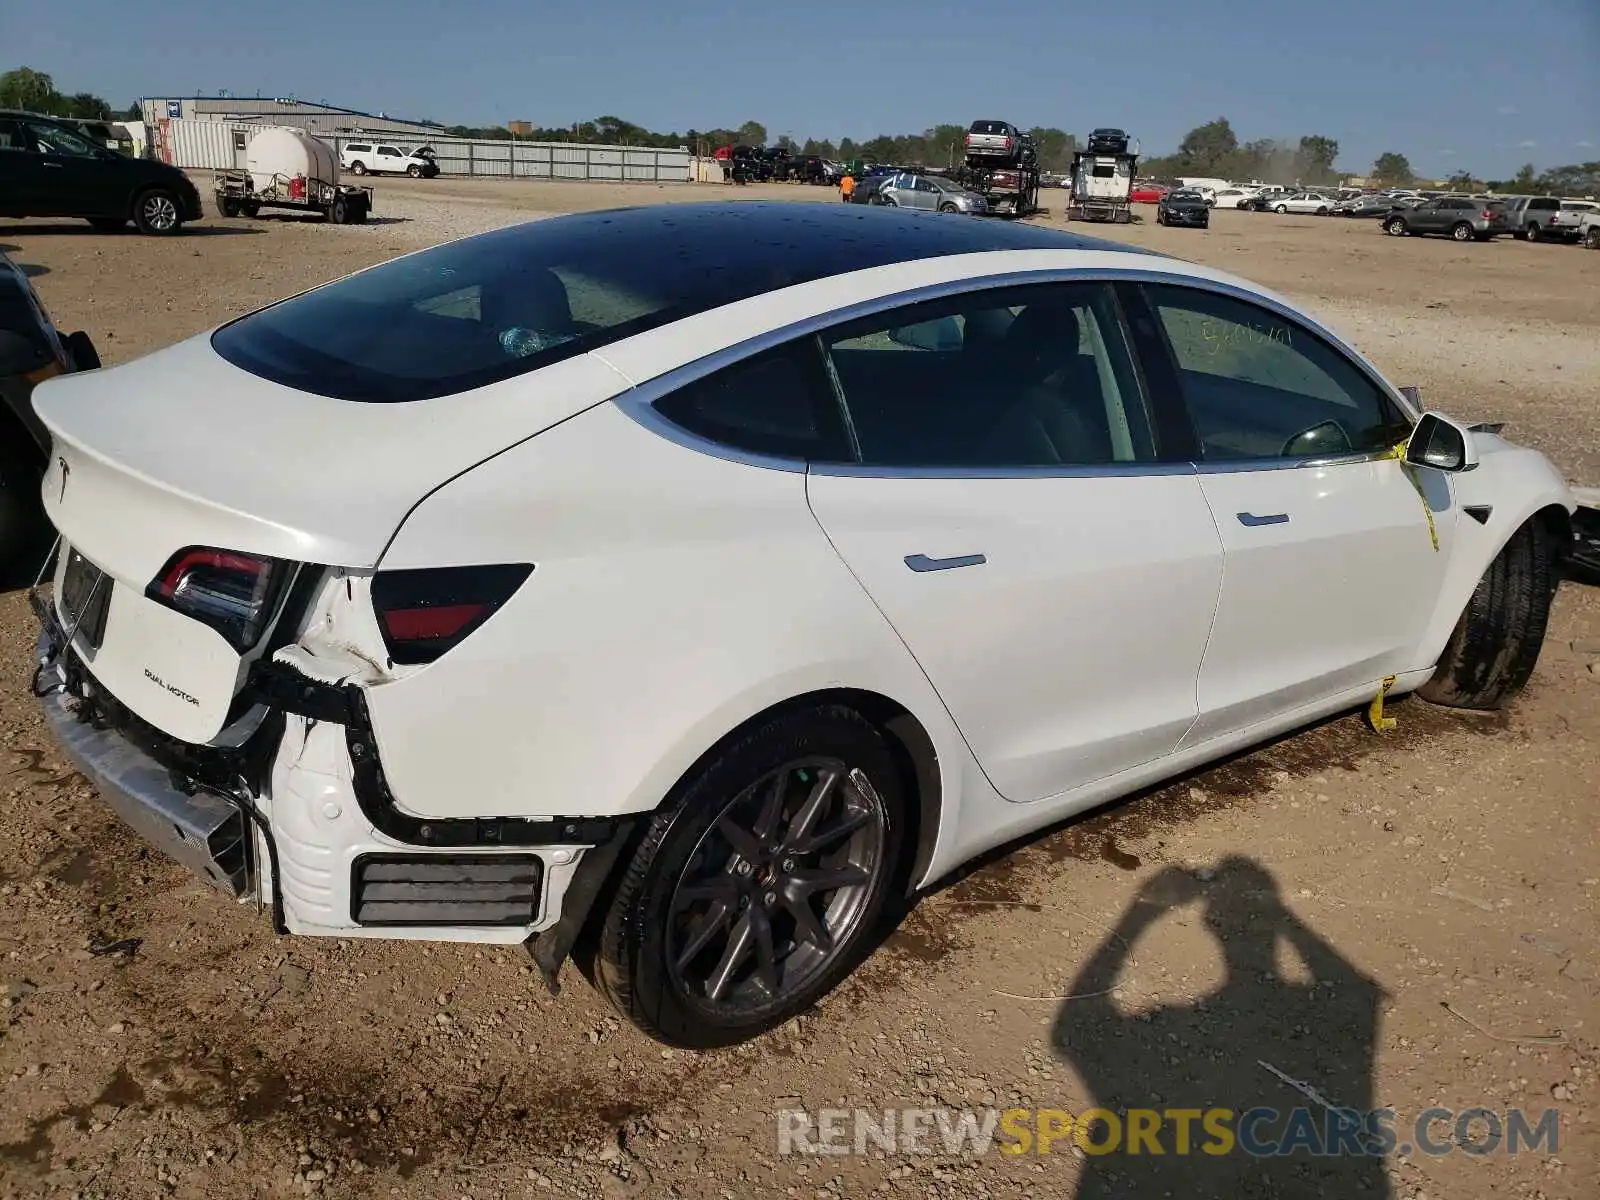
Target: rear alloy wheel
1282	209
1462	232
1592	238
1533	234
156	212
1395	227
1494	646
758	887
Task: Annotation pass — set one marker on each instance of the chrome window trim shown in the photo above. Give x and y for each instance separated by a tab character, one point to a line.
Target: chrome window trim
639	401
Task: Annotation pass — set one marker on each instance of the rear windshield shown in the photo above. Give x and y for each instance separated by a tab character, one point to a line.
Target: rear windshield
989	127
473	312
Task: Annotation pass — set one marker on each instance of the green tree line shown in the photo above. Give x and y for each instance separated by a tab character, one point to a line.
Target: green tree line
34	91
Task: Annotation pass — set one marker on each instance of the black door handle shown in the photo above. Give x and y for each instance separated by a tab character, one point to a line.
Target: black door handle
1251	520
921	562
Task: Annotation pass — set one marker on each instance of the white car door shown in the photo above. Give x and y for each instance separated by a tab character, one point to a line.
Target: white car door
1330	569
1012	518
390	159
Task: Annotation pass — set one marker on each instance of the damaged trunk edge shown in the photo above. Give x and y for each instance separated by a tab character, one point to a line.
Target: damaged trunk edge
316	662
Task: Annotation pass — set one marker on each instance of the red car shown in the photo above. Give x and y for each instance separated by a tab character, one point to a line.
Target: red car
1147	193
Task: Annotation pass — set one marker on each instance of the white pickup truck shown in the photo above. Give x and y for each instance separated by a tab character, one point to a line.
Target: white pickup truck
1589	229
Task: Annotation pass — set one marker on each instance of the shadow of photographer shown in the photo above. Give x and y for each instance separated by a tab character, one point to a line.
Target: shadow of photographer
1258	1041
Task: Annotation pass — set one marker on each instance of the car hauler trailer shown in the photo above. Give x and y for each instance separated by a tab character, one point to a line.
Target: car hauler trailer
1101	186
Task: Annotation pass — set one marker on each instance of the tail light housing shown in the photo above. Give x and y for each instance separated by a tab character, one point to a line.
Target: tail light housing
234	593
424	613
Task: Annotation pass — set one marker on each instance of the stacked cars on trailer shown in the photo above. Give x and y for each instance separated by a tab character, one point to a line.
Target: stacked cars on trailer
1102	179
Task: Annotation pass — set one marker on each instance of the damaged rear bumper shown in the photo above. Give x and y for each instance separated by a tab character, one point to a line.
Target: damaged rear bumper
289	806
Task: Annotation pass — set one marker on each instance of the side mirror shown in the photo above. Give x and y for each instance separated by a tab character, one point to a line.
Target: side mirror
1328	438
1440	443
942	333
80	348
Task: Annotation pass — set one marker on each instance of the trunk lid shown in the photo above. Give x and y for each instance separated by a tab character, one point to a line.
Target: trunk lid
181	449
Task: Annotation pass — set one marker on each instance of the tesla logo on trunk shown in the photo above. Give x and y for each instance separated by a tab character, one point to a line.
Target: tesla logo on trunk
178	692
65	471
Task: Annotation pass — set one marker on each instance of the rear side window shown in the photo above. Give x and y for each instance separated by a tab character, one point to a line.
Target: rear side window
777	403
359	149
1544	202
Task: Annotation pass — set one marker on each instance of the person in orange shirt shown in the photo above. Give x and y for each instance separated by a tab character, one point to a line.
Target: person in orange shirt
847	188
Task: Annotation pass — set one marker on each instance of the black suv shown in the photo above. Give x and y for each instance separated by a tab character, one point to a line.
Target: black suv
52	170
31	351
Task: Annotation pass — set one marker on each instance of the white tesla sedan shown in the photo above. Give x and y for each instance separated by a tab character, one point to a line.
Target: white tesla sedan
701	577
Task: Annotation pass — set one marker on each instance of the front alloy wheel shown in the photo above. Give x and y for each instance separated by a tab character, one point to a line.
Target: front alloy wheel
758	888
157	212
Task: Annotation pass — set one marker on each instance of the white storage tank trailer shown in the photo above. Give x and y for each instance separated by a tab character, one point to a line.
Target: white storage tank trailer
288	168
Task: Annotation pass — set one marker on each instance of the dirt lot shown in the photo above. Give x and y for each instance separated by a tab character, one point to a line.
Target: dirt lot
1406	920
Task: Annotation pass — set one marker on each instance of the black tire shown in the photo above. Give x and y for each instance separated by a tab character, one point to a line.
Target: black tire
1160	220
228	206
338	211
250	208
156	212
1495	645
414	171
634	965
108	224
947	207
1323	211
1591	239
1533	233
1461	232
1395	227
358	167
1282	209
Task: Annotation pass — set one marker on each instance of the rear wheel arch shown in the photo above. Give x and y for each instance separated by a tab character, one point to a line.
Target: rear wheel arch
910	745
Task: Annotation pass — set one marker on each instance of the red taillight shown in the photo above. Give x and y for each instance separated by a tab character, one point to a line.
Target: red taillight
233	593
424	613
1008	143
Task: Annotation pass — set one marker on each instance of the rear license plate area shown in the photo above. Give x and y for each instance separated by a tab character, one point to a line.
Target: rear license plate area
85	598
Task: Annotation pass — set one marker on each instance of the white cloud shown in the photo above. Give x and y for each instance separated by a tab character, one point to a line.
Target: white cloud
1507	110
1447	154
1527	145
1584	145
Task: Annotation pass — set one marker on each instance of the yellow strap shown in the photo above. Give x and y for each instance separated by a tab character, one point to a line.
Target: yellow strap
1398	453
1375	716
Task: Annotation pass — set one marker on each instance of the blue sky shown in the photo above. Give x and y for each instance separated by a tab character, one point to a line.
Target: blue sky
1478	84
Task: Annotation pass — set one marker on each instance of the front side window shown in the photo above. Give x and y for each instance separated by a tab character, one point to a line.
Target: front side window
1036	376
390	150
53	139
1259	386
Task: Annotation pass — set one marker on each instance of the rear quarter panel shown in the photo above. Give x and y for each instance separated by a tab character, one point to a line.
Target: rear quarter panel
674	596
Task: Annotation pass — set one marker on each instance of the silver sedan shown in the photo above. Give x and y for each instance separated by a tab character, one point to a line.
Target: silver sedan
932	192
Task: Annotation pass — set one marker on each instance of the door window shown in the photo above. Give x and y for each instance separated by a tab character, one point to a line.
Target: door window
775	403
1036	376
389	150
53	139
1259	386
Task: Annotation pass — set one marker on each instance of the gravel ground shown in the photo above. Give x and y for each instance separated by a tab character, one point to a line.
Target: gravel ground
1405	920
